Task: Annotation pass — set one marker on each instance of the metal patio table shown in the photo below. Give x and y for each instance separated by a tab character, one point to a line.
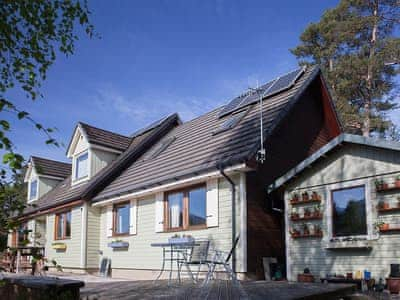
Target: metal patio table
175	252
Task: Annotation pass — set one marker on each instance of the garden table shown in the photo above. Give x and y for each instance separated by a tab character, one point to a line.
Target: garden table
175	252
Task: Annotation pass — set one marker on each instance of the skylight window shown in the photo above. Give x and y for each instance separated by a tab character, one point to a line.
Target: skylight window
164	145
231	122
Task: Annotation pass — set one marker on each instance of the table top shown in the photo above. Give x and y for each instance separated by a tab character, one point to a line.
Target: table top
168	244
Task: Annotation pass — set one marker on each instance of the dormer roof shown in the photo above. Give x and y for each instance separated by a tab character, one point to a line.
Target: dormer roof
47	167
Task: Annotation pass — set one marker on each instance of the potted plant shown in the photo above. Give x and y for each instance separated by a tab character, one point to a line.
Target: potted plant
295	215
118	244
317	211
397	181
380	185
295	198
315	196
393	284
306	276
306	230
382	205
59	246
294	232
317	230
177	239
305	197
307	212
398	202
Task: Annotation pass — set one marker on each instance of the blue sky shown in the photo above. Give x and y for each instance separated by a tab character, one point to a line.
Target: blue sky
160	57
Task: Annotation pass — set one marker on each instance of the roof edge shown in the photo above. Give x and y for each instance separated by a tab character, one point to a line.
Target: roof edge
343	138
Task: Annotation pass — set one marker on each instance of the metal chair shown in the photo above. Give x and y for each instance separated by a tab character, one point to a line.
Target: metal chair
221	258
198	256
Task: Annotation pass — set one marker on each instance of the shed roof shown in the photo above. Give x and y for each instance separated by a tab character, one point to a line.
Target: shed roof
343	138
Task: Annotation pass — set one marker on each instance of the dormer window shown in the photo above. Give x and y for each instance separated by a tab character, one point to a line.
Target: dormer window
82	166
33	189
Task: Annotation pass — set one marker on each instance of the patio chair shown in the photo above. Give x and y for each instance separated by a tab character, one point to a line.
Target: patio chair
198	256
221	258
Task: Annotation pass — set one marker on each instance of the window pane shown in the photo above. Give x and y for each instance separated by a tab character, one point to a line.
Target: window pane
60	226
33	189
122	219
197	206
175	210
68	224
81	166
349	212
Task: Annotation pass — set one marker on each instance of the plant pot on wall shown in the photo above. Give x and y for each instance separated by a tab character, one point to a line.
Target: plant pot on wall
305	278
59	246
118	245
393	284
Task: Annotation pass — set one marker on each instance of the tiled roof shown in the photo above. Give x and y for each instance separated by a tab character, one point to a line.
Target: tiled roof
105	138
48	167
65	192
198	148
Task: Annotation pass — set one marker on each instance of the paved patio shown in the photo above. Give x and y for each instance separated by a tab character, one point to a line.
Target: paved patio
216	290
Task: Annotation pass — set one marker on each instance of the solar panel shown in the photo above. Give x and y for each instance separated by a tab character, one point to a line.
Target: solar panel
270	88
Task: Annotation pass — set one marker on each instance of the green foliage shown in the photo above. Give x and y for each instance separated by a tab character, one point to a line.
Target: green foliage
32	34
355	45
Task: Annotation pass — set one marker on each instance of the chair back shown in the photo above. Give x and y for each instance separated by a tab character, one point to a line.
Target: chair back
233	249
200	251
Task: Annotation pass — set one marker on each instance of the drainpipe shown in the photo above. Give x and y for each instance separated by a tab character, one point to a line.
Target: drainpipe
233	191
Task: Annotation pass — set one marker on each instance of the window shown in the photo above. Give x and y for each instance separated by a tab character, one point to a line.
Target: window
186	208
231	122
81	166
121	219
33	189
63	226
349	212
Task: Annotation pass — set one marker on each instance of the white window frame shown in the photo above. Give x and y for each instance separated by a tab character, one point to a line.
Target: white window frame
30	199
75	165
368	207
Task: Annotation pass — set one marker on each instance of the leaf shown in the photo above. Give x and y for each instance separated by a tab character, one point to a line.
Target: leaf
22	114
5	124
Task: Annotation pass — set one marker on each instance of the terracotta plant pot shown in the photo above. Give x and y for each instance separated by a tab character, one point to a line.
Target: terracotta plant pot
305	278
384	227
393	284
383	205
305	197
315	197
397	183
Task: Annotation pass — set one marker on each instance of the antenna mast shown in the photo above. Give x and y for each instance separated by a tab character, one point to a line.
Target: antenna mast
261	153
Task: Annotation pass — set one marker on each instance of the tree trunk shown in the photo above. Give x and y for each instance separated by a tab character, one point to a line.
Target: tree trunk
366	128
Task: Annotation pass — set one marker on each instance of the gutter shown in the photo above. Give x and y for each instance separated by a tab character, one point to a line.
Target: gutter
233	191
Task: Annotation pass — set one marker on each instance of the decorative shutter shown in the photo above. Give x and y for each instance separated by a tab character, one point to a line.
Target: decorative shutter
109	224
159	226
132	219
212	202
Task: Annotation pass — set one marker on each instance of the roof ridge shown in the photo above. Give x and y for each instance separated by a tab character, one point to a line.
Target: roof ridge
48	159
102	129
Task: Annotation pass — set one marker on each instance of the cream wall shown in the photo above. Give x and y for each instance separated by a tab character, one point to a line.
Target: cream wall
71	257
345	168
140	255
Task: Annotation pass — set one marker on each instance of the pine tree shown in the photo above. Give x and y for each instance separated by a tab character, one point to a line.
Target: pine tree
356	47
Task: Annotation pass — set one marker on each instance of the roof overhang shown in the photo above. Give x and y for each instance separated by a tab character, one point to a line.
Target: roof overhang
343	138
172	185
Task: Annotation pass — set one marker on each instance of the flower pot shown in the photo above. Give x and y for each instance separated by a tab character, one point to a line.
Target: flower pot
397	183
393	284
384	227
59	246
305	278
305	197
315	197
118	245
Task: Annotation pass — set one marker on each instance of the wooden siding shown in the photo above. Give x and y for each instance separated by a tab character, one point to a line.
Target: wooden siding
347	166
93	238
100	159
71	257
140	255
46	185
306	129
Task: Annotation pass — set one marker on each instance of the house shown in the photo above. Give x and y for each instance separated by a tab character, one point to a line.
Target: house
206	177
342	208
